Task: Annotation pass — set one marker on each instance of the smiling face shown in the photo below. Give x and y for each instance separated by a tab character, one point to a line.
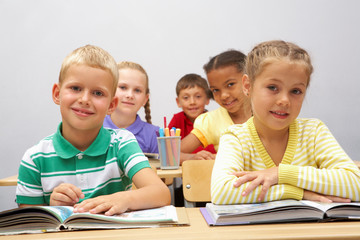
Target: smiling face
277	94
225	84
85	98
131	91
193	101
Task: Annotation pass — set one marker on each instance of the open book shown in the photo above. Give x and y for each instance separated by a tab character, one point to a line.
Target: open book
152	155
279	211
57	218
153	159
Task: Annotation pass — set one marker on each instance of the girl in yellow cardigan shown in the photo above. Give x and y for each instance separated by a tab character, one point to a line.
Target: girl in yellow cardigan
275	155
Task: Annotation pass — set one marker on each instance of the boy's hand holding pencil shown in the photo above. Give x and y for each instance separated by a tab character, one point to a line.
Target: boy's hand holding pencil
66	194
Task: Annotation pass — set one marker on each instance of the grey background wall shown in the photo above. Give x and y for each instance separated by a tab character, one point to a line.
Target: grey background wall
169	39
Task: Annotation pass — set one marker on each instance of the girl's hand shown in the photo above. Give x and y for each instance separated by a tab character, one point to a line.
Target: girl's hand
313	196
65	194
266	178
204	155
108	204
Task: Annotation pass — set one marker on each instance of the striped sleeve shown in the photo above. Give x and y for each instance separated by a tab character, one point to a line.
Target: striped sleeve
29	186
233	156
332	172
131	158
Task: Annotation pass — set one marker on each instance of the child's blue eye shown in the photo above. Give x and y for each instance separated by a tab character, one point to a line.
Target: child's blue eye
138	90
122	87
272	88
98	93
296	91
75	88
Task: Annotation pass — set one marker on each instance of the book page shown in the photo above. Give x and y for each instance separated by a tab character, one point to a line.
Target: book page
60	212
41	219
152	155
35	219
156	215
326	206
269	212
252	208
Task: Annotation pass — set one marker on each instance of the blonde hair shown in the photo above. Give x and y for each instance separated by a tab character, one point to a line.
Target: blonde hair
138	67
268	52
92	56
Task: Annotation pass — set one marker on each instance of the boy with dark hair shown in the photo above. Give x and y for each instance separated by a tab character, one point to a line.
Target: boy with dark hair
193	94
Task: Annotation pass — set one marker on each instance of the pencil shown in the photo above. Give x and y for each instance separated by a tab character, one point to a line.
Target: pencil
163	147
174	148
169	153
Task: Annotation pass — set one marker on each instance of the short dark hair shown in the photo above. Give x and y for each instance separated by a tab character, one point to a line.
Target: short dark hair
192	80
228	58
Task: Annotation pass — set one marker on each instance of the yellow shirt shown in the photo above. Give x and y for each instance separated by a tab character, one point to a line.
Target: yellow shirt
313	160
209	126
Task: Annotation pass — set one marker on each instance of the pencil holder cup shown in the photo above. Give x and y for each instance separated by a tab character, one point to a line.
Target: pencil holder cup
169	150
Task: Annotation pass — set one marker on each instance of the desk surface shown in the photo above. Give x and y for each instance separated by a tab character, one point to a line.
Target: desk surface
169	173
198	229
9	181
165	173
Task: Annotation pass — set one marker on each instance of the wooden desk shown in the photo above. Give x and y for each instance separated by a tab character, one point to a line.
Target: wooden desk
9	181
169	173
198	229
166	173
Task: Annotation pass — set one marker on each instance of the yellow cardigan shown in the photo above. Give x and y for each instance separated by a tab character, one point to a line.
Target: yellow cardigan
313	160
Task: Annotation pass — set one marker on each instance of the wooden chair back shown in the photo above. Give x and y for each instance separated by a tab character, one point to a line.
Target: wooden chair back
196	177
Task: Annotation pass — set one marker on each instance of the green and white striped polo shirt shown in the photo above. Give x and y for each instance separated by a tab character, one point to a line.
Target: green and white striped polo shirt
106	167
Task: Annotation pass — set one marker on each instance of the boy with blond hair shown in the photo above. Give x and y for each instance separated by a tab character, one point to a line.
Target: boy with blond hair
83	164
